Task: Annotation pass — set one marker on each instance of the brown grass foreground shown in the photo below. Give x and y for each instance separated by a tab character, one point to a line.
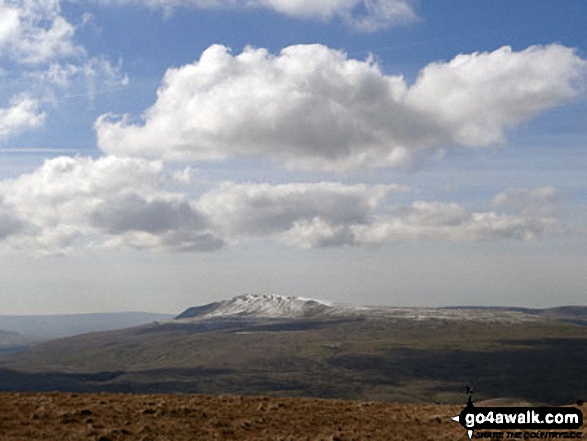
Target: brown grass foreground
103	417
114	417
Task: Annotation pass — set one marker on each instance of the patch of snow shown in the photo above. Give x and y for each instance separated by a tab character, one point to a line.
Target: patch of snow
260	306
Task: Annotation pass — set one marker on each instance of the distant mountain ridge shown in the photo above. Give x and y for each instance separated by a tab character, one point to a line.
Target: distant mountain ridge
9	339
45	327
294	346
270	307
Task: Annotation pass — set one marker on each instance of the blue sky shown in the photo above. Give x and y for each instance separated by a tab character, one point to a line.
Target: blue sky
158	155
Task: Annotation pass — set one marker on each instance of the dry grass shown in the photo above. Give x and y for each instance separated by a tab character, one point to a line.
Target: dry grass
103	417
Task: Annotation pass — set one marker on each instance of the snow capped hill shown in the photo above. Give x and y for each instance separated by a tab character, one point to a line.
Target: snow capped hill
255	307
259	306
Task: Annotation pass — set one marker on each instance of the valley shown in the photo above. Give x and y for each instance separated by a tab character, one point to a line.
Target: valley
284	347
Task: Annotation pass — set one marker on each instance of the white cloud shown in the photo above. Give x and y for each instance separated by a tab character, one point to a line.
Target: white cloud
9	24
474	98
334	214
250	210
23	114
313	107
35	32
425	221
70	203
110	201
10	224
364	15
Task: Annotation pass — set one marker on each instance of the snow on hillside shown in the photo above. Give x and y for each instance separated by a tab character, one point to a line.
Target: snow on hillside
267	306
259	306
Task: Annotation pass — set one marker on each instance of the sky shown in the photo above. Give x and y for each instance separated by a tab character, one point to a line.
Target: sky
161	154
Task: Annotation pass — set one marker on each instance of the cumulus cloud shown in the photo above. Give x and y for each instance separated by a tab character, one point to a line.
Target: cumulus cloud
69	203
23	114
106	202
312	107
474	98
334	214
263	209
10	224
363	15
425	221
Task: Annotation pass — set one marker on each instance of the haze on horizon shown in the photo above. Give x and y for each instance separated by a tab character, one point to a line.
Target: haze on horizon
160	155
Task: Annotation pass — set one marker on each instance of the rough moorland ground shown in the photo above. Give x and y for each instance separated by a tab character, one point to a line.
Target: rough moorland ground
114	417
63	416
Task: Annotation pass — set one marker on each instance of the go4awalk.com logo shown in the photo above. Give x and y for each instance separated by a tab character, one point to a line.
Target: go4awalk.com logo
539	419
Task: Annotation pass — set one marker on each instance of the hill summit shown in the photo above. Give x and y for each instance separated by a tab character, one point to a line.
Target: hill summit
269	306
